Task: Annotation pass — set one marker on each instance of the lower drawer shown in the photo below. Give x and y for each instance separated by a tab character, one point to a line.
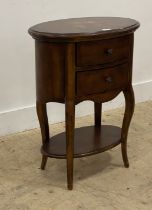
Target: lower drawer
101	80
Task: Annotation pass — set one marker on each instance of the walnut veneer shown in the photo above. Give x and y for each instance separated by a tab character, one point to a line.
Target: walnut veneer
83	59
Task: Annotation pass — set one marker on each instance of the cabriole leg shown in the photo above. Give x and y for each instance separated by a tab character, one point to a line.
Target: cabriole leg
44	161
129	109
43	121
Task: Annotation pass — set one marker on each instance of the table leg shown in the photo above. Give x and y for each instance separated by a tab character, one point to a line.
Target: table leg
129	109
70	110
44	161
97	113
70	121
43	121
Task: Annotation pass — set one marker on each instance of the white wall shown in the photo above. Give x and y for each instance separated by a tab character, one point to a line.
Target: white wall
17	82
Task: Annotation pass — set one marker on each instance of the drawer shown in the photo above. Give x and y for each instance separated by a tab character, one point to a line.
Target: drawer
101	52
102	80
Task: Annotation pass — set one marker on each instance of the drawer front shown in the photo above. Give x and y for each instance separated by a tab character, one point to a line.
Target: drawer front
102	80
101	52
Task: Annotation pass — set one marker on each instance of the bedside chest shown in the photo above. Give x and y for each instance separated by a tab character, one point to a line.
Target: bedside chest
83	59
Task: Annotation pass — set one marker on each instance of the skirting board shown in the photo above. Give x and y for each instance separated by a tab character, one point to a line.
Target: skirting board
25	118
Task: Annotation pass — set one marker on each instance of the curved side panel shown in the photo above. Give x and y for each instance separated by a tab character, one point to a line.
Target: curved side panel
50	71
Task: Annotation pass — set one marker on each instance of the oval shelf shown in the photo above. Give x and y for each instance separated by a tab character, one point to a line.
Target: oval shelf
88	141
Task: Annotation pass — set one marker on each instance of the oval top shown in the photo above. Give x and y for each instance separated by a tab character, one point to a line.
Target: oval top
75	29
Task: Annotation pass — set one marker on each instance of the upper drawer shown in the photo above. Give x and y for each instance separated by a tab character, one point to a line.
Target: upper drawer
101	52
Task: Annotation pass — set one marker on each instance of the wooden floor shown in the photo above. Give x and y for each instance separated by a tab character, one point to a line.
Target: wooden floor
100	182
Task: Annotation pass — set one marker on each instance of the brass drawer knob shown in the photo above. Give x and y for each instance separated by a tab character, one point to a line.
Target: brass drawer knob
109	79
109	51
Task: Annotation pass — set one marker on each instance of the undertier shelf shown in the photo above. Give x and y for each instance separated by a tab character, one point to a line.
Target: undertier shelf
88	141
